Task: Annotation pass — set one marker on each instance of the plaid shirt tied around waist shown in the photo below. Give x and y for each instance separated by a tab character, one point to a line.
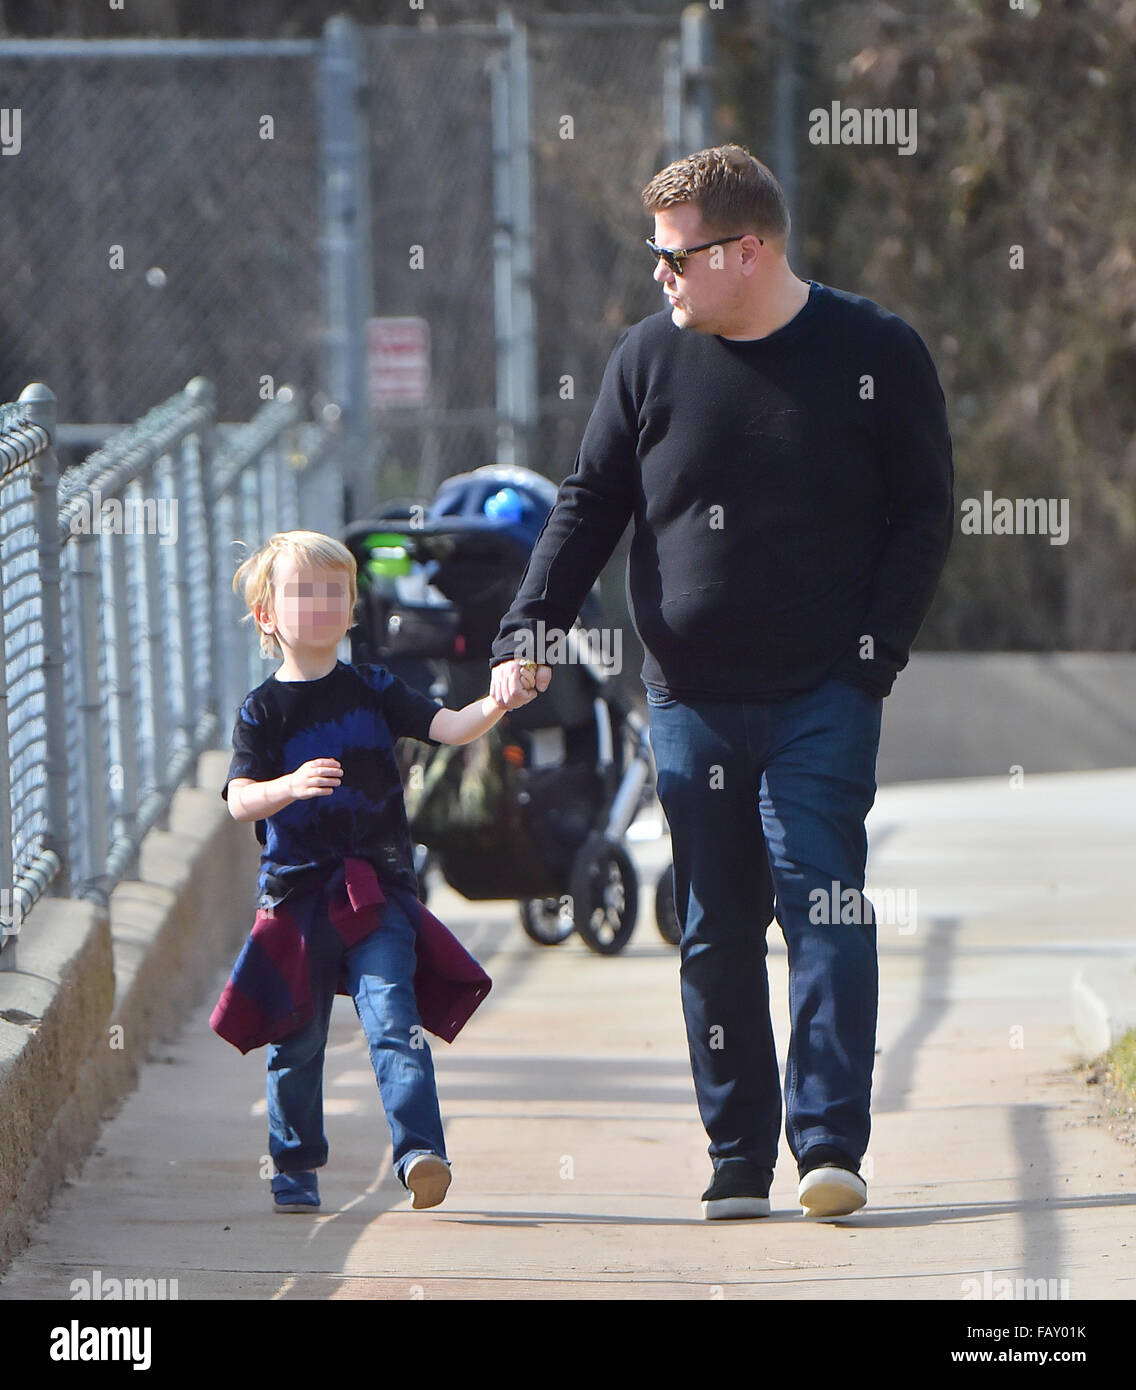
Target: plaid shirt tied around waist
269	995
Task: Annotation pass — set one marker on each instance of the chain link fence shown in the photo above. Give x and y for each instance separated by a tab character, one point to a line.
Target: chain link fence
431	165
165	197
596	124
535	139
600	131
161	221
123	651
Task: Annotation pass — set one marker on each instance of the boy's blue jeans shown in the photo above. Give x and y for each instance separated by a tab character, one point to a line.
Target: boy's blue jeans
380	973
767	798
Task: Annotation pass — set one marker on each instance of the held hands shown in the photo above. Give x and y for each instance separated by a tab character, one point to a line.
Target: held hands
514	683
319	777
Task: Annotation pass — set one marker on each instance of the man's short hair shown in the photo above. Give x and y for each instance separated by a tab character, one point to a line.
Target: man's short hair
732	190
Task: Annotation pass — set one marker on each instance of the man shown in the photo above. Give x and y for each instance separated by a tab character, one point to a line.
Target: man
783	449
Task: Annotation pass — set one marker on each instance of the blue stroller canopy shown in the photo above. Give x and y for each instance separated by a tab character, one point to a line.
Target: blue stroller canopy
504	497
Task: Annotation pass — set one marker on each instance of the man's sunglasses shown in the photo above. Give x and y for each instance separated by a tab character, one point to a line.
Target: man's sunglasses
675	258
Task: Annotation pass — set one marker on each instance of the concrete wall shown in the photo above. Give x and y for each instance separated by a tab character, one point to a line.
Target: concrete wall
976	715
94	992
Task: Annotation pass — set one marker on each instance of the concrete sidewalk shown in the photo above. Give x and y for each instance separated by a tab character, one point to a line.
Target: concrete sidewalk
579	1157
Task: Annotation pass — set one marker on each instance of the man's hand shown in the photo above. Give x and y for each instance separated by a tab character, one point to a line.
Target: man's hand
514	683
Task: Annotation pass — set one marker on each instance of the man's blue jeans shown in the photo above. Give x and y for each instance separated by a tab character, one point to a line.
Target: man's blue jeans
380	976
766	801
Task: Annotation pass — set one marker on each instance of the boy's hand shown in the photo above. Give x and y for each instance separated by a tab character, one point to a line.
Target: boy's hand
319	777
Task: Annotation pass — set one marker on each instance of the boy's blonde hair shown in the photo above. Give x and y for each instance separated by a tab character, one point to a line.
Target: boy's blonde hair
257	573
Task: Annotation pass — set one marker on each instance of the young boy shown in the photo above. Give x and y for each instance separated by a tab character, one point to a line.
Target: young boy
314	766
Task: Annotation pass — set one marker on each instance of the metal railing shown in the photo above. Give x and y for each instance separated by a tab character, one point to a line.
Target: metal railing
123	654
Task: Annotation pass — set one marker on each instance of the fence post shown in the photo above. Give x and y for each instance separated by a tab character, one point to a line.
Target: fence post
347	250
124	712
513	245
183	606
698	70
10	913
202	392
520	111
786	85
157	639
86	613
672	101
41	409
503	245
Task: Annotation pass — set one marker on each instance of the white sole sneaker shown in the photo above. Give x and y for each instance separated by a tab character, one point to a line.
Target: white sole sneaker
732	1208
428	1177
832	1192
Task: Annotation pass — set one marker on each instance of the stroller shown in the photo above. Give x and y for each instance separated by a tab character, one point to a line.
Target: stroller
538	809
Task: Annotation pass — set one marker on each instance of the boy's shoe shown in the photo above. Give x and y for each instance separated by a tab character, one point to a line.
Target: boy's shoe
428	1177
295	1193
739	1189
830	1184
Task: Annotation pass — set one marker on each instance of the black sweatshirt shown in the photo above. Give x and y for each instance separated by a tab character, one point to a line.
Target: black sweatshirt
792	498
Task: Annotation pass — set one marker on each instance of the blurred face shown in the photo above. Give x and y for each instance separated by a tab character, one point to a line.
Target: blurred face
709	295
311	606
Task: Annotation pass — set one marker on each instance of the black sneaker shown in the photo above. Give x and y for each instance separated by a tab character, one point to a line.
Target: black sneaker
739	1189
830	1184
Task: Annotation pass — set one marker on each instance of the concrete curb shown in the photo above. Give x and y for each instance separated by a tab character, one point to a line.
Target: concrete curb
1104	1008
95	991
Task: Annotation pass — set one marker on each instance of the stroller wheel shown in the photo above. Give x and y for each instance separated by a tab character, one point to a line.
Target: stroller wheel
605	895
544	921
665	915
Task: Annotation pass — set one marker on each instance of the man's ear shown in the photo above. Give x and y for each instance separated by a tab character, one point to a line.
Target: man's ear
751	264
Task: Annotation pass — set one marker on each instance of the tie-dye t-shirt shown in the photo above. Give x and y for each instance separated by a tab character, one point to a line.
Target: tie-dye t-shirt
353	714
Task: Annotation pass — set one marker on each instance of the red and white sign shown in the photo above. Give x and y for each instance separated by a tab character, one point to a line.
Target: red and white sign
398	361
